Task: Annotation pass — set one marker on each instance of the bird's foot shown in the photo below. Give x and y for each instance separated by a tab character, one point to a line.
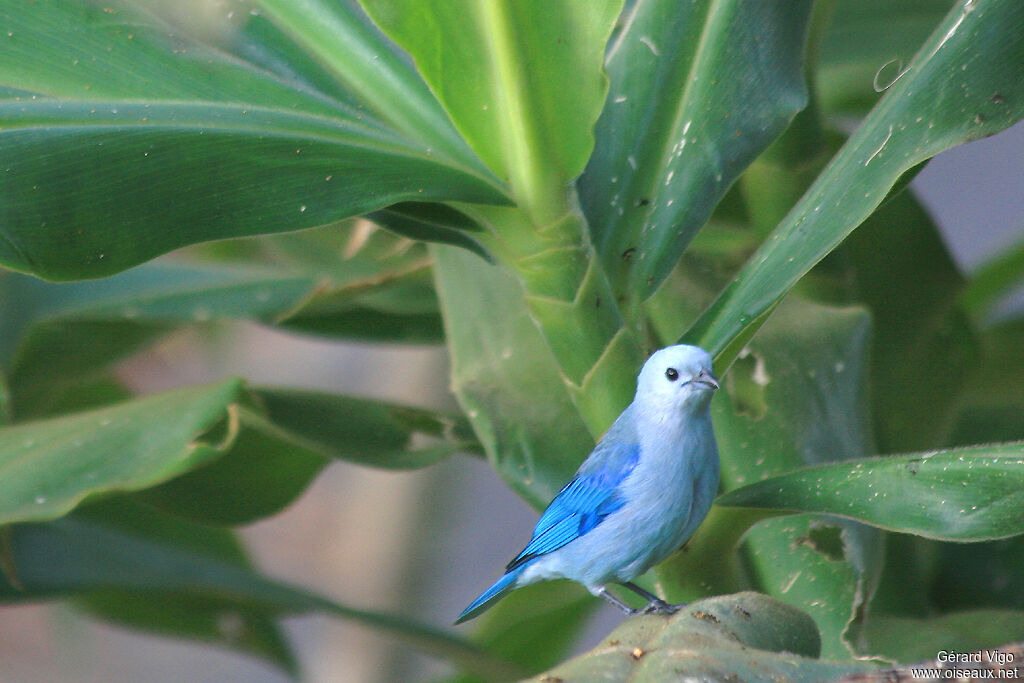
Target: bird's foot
657	606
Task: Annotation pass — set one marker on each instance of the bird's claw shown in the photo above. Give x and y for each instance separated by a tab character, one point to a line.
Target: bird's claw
660	607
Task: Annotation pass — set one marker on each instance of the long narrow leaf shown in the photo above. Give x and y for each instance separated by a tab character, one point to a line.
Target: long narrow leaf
968	494
682	120
523	92
84	554
207	453
347	281
340	38
963	84
50	466
122	138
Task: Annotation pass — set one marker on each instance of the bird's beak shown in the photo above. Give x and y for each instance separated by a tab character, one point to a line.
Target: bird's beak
707	379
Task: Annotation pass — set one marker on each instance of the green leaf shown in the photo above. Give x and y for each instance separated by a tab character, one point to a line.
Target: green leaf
119	50
962	85
434	222
741	637
48	467
5	400
718	251
908	640
506	379
366	431
208	619
522	82
909	565
353	281
866	45
797	395
828	567
237	624
380	289
571	302
991	402
92	552
122	140
681	122
340	39
262	470
95	323
62	398
277	451
966	494
255	38
229	462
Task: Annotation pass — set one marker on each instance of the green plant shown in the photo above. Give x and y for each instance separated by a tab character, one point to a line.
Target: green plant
562	157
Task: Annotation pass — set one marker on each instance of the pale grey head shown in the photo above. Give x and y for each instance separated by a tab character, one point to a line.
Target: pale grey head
677	376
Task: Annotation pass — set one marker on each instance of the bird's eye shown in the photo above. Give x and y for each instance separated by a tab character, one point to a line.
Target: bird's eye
672	374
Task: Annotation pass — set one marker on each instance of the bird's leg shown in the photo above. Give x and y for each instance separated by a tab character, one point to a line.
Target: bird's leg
650	597
603	592
655	605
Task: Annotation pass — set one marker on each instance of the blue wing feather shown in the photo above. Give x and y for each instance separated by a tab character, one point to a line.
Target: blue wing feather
584	502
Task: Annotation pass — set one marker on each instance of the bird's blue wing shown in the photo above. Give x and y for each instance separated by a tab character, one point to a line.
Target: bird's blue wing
585	501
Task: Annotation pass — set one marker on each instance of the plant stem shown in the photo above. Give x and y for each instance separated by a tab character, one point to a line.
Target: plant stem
571	301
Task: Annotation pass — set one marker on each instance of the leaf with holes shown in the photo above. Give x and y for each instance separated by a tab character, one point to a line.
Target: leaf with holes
798	396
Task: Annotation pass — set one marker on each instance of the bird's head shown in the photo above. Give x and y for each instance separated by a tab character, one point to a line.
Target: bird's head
677	376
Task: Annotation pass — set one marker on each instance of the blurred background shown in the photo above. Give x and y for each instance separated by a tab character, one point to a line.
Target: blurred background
360	535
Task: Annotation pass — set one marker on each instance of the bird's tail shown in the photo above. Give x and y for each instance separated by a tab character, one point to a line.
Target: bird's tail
490	596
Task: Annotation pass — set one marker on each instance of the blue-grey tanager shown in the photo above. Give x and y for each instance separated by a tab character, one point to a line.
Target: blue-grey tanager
640	494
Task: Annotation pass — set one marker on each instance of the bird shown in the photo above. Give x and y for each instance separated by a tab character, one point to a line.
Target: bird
639	495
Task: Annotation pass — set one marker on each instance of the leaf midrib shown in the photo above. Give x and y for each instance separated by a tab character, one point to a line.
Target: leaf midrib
220	117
